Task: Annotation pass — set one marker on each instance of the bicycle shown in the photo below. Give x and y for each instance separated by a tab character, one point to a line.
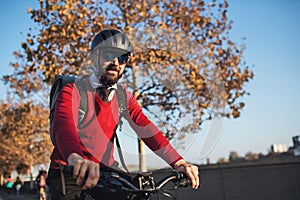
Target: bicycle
133	186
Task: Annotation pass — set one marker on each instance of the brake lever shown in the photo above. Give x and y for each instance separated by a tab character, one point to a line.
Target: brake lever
183	183
182	180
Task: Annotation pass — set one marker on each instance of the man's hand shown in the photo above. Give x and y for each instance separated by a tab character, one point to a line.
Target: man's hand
190	170
83	167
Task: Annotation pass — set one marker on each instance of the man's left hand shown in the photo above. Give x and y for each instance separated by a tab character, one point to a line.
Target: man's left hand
190	170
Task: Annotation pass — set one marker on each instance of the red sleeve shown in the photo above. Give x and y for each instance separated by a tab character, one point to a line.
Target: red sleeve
149	133
65	121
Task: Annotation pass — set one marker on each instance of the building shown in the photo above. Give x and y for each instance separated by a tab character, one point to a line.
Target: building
278	148
296	147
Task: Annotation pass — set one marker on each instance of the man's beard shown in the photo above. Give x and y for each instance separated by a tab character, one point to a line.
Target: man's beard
108	81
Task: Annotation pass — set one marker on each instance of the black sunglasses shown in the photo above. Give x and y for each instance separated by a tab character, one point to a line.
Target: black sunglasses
122	59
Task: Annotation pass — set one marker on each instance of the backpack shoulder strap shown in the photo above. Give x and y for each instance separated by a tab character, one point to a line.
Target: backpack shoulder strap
122	99
83	108
122	104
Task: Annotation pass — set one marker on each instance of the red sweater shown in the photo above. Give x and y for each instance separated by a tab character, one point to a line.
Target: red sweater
95	140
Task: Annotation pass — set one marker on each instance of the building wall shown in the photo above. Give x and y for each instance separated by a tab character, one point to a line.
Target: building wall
269	179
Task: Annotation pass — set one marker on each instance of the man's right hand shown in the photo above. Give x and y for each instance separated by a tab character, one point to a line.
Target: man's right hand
81	168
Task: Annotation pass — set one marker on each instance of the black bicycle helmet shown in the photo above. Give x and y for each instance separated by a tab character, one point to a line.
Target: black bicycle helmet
111	39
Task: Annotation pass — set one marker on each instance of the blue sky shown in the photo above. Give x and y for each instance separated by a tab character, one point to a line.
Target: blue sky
272	112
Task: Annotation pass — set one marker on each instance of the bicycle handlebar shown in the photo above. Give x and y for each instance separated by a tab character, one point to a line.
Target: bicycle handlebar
175	176
146	184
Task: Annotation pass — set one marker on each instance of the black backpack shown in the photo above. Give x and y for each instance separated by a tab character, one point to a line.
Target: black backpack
60	81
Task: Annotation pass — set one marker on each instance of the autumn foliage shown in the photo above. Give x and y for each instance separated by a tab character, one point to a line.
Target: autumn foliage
184	66
24	135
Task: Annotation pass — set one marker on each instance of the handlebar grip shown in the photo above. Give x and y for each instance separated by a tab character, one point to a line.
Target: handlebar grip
180	175
68	170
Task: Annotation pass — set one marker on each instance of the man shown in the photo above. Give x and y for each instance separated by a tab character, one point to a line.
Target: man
88	146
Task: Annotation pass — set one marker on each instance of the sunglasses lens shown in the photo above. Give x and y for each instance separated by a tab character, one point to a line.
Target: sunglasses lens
123	58
108	56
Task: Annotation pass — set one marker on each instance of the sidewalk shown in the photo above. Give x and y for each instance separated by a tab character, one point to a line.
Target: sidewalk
5	196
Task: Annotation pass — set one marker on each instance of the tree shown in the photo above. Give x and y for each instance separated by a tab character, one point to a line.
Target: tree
222	160
24	136
233	156
185	65
251	156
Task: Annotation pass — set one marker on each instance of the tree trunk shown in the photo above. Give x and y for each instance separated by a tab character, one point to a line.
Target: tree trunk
142	157
141	145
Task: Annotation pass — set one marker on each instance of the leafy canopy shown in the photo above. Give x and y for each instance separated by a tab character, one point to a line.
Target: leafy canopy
185	69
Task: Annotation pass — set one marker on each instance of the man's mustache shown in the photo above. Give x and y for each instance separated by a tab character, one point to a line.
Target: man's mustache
112	67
